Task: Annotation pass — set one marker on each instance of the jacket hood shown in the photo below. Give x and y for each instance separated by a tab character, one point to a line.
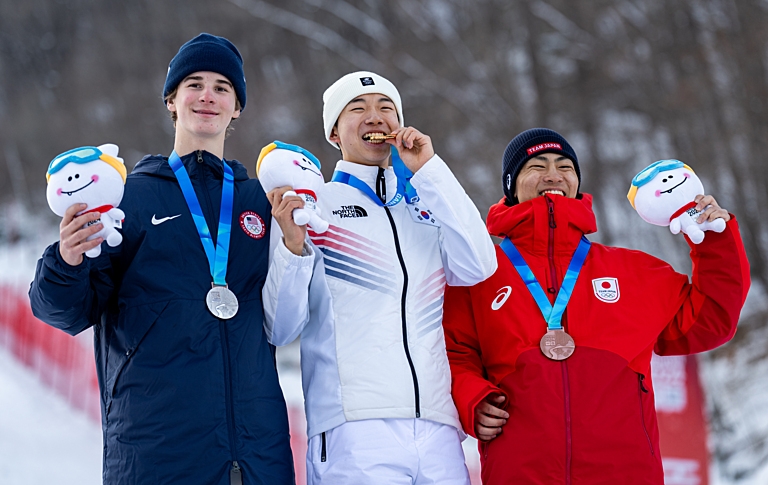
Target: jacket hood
528	223
157	165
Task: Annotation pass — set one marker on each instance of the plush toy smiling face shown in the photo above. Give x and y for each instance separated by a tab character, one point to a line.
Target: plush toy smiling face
85	175
663	188
281	164
304	164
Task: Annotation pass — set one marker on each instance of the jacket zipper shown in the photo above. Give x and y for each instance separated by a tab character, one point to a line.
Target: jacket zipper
402	312
564	366
551	246
323	450
379	186
568	436
235	472
640	390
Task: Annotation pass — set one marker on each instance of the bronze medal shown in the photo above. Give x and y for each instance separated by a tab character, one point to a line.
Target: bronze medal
557	345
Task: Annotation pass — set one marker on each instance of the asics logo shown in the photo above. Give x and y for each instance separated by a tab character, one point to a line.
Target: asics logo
156	221
501	297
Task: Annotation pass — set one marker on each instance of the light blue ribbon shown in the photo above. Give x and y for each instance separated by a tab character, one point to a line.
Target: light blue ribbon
217	258
553	314
404	188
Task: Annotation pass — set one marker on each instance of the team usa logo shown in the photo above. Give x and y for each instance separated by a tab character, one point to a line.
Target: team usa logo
606	289
252	224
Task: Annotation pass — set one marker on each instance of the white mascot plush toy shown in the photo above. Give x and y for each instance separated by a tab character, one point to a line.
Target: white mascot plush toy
663	194
281	164
92	176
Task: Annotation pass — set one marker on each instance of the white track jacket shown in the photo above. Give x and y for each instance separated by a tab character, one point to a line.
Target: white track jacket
367	297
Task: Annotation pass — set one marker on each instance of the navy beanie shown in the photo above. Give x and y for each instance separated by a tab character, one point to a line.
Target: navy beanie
207	52
527	145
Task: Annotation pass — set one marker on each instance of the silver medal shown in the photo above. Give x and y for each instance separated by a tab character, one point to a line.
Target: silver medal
221	302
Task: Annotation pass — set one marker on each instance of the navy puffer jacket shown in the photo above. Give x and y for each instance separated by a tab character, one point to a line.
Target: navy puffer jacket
186	397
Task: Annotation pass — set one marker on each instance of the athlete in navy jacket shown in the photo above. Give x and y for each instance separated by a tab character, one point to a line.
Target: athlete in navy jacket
187	396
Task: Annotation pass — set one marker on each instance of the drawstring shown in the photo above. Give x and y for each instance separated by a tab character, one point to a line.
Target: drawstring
381	186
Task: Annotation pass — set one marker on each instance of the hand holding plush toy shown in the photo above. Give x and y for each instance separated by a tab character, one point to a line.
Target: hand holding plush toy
92	176
663	194
280	165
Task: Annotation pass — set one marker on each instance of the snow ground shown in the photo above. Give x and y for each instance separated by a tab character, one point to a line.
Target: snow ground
42	439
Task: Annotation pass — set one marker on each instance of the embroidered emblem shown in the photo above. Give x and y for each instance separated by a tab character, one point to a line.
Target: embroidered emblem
423	216
252	224
606	289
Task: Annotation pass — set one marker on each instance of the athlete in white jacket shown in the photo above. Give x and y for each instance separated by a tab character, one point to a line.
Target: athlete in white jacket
366	297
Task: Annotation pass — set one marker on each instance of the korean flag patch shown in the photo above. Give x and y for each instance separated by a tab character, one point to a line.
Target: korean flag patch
606	289
423	215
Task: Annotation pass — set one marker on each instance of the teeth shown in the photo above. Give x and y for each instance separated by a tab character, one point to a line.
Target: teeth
377	137
557	192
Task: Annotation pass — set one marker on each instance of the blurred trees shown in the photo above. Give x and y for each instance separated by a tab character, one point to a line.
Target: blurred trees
628	82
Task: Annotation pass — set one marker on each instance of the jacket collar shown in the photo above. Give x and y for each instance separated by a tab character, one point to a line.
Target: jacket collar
368	173
157	165
527	224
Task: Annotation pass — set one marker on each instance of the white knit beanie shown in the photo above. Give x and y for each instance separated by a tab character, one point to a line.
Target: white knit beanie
350	87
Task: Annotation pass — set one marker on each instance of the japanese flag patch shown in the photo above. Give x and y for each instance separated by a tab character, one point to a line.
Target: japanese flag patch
606	289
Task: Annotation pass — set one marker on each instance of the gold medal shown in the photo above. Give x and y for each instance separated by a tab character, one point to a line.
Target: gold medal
557	345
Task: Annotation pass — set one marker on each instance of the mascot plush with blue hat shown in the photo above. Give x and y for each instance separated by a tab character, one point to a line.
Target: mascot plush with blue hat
94	176
663	194
281	164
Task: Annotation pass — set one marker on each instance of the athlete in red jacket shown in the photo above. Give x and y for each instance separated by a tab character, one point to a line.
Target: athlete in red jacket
583	414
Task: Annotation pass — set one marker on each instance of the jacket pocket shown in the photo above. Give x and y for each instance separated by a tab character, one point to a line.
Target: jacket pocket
318	448
133	324
642	391
323	449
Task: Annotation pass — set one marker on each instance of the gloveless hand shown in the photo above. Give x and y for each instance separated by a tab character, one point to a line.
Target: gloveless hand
73	234
415	148
282	211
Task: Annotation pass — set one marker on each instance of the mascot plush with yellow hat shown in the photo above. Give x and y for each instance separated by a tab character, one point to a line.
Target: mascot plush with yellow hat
94	176
281	164
663	194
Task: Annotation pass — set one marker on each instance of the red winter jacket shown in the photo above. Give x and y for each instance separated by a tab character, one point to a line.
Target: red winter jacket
589	419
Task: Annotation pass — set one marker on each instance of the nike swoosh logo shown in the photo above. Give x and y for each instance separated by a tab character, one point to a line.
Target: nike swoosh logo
156	221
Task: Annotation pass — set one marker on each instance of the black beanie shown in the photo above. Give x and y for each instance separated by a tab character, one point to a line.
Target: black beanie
527	145
207	52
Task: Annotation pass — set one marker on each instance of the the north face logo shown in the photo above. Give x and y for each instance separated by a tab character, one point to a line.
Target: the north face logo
347	211
606	289
367	81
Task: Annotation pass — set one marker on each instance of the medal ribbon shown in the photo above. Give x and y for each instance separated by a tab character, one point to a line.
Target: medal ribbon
404	187
403	175
217	258
553	314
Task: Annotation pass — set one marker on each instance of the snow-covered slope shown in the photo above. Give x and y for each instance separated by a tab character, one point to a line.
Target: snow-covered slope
42	439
